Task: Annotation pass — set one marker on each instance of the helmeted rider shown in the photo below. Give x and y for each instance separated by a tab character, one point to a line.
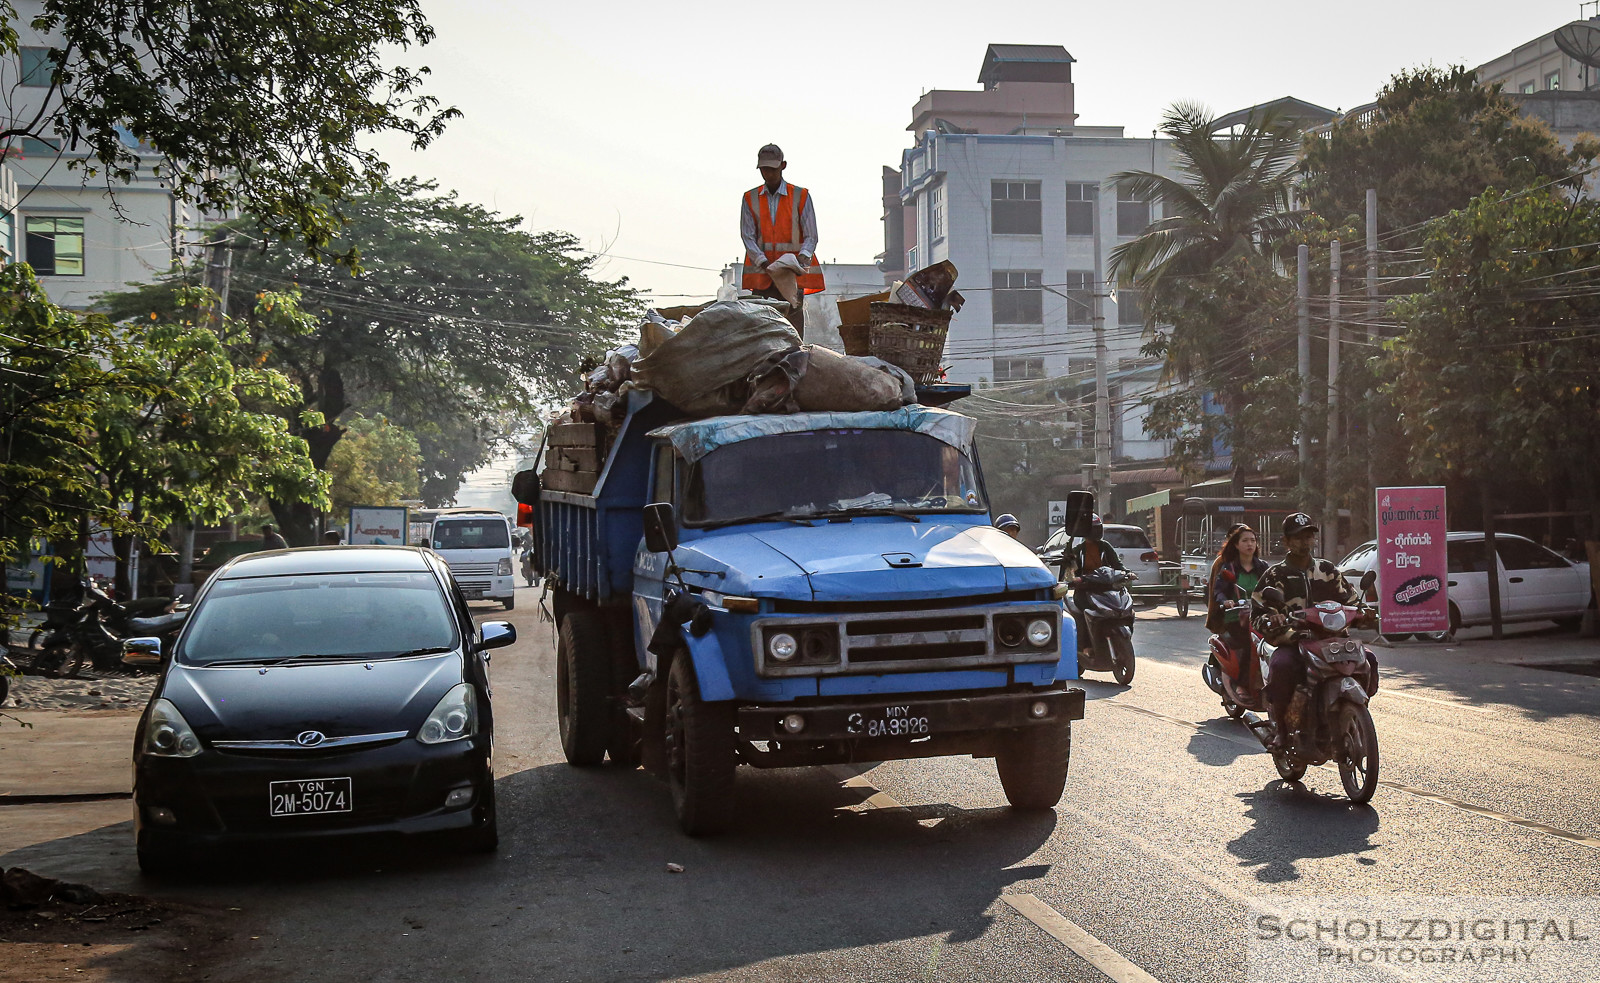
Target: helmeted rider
1304	581
1009	525
1085	558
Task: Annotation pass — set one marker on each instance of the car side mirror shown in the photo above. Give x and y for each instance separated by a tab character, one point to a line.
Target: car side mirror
660	528
141	652
496	634
1272	596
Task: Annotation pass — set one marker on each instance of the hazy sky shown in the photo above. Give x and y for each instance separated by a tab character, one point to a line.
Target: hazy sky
635	126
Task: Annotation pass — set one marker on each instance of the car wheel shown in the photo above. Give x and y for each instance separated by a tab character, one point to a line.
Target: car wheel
510	602
1397	637
582	676
701	760
1033	764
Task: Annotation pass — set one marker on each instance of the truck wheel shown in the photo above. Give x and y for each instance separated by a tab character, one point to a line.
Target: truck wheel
582	674
700	754
1033	765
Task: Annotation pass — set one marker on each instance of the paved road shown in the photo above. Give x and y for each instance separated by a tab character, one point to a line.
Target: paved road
1174	825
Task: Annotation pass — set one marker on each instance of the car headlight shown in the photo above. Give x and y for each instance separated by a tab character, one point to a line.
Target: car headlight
167	734
1040	632
504	569
454	717
782	646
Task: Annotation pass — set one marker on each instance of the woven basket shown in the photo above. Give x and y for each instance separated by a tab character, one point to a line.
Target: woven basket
910	337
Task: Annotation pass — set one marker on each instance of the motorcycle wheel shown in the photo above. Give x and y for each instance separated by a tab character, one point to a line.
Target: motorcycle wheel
1289	769
1234	710
1358	754
1121	659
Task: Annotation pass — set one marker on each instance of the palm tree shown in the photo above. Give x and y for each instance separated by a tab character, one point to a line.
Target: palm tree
1236	200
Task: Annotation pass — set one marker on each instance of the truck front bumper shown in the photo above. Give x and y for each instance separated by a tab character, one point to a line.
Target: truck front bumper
914	716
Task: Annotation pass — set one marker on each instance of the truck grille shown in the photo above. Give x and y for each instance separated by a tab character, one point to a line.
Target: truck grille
911	641
473	569
903	639
473	584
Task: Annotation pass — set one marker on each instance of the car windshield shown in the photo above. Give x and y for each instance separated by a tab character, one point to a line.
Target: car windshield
322	616
471	534
1127	539
827	472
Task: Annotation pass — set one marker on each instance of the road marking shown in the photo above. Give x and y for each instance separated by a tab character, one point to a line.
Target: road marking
1439	798
1443	703
851	778
1096	953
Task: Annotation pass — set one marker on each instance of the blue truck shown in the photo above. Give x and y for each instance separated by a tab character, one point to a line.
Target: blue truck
792	590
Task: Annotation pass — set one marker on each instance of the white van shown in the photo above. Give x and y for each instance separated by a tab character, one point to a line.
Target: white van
476	545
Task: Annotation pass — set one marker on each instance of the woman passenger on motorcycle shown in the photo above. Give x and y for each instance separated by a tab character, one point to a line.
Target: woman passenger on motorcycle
1235	575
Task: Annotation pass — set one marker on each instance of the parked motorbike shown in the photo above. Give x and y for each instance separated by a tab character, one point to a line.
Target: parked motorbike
1328	718
95	634
1105	635
7	670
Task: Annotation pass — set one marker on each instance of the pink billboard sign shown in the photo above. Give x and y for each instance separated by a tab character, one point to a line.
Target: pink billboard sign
1412	565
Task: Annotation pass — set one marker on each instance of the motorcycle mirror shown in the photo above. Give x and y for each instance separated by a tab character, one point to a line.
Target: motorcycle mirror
1368	579
1272	596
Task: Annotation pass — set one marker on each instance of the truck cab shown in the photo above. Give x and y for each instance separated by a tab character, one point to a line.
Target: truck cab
804	589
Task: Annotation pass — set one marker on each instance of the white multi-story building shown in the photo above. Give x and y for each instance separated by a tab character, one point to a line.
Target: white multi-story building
82	236
1005	184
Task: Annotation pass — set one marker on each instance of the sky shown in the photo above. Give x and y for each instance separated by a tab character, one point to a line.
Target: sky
634	126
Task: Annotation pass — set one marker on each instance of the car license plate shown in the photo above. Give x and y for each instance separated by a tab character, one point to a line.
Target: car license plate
892	721
310	796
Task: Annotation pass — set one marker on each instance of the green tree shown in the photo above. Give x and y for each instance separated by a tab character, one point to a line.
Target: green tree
197	428
376	463
264	107
1497	371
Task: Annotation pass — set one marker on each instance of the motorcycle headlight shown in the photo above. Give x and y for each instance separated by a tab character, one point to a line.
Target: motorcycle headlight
504	569
454	717
1040	632
167	734
1333	620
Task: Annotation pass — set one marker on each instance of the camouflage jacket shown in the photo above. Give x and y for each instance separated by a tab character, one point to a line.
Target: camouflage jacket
1301	589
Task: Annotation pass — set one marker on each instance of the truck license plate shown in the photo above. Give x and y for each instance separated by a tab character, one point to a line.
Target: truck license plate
892	721
472	595
311	796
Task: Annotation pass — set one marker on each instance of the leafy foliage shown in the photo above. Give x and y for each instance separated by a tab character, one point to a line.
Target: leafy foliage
376	463
261	106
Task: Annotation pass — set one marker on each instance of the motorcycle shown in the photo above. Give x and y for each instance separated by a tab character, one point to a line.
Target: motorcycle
528	573
95	634
1328	718
1105	638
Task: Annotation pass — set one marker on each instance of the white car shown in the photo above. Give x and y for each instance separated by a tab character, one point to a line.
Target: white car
1133	548
1535	583
476	545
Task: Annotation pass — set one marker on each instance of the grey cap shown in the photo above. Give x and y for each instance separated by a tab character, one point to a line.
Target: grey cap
769	156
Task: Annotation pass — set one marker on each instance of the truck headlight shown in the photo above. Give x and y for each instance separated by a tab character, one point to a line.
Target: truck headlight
1040	632
782	646
504	569
1009	630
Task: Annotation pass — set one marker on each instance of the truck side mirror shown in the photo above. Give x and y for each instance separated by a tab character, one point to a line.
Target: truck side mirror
660	528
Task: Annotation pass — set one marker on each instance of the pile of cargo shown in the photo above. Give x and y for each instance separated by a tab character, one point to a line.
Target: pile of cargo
906	324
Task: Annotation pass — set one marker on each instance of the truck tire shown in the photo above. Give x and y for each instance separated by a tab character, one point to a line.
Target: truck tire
623	744
1033	765
700	755
582	675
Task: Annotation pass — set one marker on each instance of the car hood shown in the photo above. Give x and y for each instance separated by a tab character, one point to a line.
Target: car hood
890	558
341	699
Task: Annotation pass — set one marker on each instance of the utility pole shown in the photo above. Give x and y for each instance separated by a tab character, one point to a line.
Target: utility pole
1330	455
218	276
1303	366
1372	331
1102	387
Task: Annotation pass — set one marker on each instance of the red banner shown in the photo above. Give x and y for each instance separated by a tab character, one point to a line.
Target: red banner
1412	565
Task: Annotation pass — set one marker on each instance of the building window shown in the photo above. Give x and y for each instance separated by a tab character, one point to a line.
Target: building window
936	219
1080	298
55	245
1018	369
1527	88
1130	307
911	260
1018	297
1016	208
1081	199
1552	81
36	68
1133	212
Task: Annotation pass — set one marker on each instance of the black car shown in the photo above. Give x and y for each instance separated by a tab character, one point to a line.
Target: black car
319	693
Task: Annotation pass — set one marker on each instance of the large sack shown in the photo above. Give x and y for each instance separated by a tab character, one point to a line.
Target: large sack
835	382
702	369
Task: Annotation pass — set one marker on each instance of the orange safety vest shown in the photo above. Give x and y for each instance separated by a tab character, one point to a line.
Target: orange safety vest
780	235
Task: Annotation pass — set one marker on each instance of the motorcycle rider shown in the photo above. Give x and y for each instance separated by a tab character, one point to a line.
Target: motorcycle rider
1009	525
1086	557
1304	581
1239	568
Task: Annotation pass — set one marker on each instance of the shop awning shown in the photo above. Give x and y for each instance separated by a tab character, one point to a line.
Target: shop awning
1145	503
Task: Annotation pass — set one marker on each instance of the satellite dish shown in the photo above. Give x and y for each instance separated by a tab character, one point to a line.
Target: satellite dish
1581	40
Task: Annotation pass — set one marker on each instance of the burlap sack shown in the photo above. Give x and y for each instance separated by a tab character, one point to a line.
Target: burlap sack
702	369
835	382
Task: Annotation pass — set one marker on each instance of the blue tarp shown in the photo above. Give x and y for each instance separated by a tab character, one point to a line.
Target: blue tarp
698	438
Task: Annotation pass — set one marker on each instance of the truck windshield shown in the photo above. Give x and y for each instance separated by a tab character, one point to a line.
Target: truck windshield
828	472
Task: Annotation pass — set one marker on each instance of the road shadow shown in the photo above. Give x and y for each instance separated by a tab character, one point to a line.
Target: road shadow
1290	823
1216	745
582	880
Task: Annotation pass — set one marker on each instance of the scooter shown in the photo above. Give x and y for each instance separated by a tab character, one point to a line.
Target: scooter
1105	637
1328	718
95	637
1225	667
